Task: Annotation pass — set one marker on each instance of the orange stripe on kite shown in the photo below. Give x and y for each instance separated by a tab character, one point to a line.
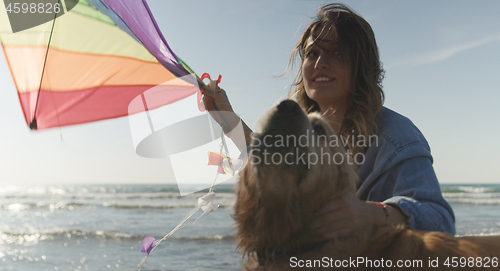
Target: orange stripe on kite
69	71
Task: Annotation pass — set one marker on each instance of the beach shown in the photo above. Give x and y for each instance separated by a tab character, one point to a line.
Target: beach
100	227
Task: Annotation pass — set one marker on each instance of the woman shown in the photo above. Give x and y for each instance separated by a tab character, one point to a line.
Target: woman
340	76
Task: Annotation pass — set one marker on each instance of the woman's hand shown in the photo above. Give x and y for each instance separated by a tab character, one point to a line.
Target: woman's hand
344	214
217	98
217	104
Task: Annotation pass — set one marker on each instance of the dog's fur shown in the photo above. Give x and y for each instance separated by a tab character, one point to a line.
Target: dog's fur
276	204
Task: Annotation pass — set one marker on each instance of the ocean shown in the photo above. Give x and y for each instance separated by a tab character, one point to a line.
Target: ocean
100	227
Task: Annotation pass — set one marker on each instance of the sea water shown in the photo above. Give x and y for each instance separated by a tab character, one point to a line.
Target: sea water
100	227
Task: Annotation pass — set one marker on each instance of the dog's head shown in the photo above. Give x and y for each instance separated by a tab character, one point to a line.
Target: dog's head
295	165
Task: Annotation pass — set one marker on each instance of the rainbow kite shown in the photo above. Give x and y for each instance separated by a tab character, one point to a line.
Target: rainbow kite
91	62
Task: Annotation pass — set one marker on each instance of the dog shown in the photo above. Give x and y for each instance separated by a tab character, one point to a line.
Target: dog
284	184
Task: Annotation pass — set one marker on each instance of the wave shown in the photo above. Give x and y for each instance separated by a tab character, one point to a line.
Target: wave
125	205
225	203
105	191
26	238
472	194
474	201
217	237
167	196
46	205
471	189
33	238
487	232
115	197
100	196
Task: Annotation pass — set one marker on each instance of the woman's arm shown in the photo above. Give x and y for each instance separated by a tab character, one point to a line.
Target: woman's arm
217	103
407	185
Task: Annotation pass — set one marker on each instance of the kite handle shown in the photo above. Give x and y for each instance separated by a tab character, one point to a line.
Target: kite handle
213	86
217	82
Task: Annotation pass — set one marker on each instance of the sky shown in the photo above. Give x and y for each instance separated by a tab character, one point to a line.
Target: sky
442	71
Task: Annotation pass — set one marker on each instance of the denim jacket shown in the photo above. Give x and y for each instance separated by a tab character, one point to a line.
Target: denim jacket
398	171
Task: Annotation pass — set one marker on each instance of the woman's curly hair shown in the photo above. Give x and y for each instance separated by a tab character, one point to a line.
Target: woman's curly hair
360	52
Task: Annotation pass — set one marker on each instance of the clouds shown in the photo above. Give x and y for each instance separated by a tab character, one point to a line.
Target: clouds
442	54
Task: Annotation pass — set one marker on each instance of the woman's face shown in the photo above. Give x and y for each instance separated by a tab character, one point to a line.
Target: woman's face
324	72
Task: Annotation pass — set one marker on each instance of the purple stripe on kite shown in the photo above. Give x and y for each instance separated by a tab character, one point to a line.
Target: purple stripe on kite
161	34
138	18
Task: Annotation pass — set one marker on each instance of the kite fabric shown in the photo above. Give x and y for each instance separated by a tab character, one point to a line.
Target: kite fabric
91	62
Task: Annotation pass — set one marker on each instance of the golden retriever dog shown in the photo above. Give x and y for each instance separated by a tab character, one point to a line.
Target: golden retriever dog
284	184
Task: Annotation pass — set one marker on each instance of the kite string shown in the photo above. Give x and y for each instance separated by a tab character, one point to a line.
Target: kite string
33	121
188	216
172	232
